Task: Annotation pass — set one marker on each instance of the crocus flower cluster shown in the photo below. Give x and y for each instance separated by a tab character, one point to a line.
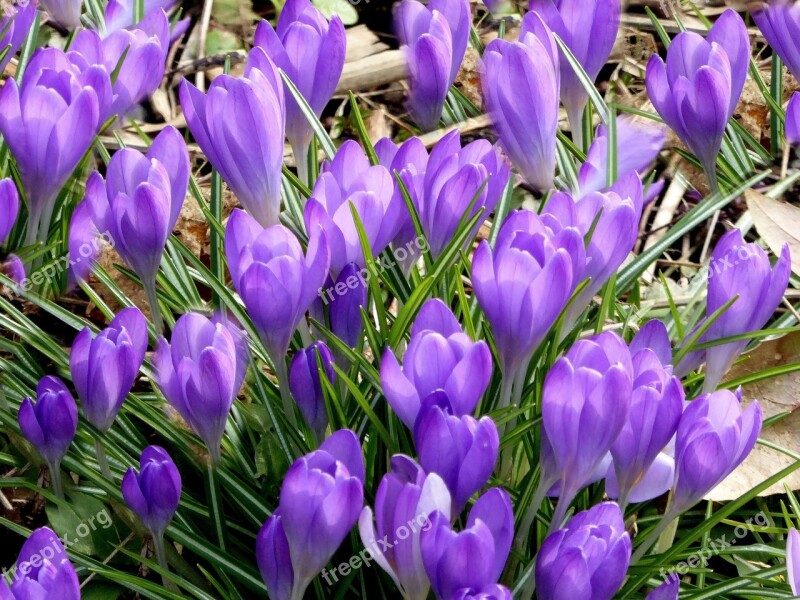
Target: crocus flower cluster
43	570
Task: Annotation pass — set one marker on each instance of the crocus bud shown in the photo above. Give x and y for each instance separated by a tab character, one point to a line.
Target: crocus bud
142	52
779	21
698	89
274	559
525	282
462	450
589	30
82	243
269	263
14	269
201	374
793	561
667	590
793	120
104	366
714	436
14	28
140	200
440	356
306	387
43	570
588	558
75	101
310	50
154	492
9	207
521	89
345	299
434	38
743	270
472	559
323	493
405	499
350	179
585	404
239	125
51	423
66	13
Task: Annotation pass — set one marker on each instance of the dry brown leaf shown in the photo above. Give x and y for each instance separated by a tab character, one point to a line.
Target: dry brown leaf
778	223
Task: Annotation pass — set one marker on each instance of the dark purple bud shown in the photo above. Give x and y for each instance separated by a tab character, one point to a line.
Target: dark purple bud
43	570
306	387
50	424
667	590
154	492
346	298
274	559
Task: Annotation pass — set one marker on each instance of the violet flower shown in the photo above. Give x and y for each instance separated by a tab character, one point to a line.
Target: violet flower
43	570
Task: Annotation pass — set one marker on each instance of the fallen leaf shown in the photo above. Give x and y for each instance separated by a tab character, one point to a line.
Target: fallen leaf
778	223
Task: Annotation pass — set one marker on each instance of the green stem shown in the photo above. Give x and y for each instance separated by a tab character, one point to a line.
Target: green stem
102	459
155	310
286	395
55	477
301	158
561	509
161	557
652	538
217	510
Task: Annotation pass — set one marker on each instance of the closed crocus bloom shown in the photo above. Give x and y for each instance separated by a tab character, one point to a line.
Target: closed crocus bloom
50	423
349	178
321	499
49	124
793	120
43	570
667	590
239	125
698	89
714	436
737	268
585	404
9	207
406	498
521	89
310	50
473	559
306	387
440	356
82	243
14	28
154	492
66	13
461	450
143	52
525	282
104	366
345	298
793	561
779	21
274	559
589	29
588	558
201	373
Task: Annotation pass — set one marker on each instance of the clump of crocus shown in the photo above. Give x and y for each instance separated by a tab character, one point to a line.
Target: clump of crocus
14	28
521	88
471	560
405	499
139	202
65	13
440	356
793	561
322	495
75	101
779	21
310	50
698	88
153	494
306	386
434	38
588	558
743	270
43	570
50	424
201	373
589	30
239	125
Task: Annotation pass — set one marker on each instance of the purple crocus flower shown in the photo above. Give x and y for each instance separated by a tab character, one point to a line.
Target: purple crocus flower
239	125
714	436
589	30
310	50
119	14
405	499
50	424
434	39
15	27
793	561
104	366
521	88
350	179
306	387
698	89
474	558
793	120
779	21
492	591
43	570
666	591
345	298
440	356
461	450
82	244
9	207
201	373
154	492
585	404
65	13
321	499
737	268
525	282
143	52
588	558
49	124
